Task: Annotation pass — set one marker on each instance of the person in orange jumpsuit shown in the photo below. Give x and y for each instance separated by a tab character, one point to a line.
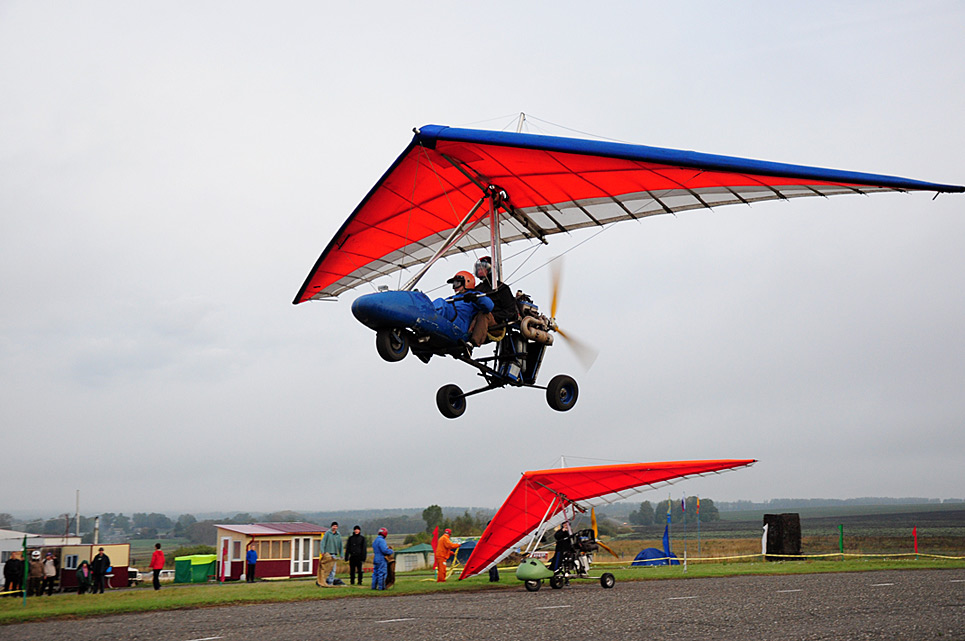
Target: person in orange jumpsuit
444	549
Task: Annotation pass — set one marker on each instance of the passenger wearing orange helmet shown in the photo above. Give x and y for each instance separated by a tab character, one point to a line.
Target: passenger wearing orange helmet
464	304
444	549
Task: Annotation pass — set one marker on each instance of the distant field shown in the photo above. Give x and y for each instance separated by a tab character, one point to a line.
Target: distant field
847	510
885	529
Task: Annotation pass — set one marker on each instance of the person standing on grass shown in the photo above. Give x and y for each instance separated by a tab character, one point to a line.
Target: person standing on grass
380	550
13	573
332	545
251	558
355	552
50	574
444	549
98	570
157	564
35	574
83	577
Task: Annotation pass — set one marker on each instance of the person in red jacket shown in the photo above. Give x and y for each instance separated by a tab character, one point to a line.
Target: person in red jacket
444	549
157	564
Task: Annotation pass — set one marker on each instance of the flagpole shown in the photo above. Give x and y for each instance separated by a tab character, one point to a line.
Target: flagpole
683	513
23	580
669	509
698	526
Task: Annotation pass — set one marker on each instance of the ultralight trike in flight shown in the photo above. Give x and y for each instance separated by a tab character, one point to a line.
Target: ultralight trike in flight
463	191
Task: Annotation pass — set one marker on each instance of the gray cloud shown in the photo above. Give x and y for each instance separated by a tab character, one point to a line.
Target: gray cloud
169	173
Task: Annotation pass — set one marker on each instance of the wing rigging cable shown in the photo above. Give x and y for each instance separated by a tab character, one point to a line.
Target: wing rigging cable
542	497
552	185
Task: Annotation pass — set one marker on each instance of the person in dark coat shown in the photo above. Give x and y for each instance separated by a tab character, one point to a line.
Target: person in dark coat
504	303
98	570
355	553
35	574
13	573
83	577
564	544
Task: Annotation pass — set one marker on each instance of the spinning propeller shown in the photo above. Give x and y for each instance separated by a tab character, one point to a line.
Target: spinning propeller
596	534
584	352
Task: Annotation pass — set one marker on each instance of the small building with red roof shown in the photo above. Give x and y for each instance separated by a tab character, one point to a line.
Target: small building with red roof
285	550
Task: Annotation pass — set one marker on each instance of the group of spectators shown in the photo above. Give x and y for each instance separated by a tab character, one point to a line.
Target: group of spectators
40	574
355	552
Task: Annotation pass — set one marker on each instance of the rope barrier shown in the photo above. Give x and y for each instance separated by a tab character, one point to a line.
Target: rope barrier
789	556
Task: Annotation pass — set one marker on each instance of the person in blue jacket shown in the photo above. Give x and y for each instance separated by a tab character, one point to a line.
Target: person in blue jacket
380	549
464	304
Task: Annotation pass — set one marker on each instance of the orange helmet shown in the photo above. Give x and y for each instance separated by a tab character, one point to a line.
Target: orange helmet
465	278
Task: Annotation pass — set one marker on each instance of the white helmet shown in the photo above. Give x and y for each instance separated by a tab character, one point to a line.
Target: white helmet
35	555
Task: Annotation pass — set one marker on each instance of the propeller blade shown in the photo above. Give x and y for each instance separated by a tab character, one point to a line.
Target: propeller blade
596	534
585	353
607	548
557	276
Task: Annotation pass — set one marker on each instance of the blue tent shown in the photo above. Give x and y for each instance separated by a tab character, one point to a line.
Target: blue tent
653	556
465	549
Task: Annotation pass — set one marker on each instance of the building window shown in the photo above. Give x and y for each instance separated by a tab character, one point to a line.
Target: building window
70	562
236	554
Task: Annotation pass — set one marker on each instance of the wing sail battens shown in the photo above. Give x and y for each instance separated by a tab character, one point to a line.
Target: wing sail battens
555	185
528	506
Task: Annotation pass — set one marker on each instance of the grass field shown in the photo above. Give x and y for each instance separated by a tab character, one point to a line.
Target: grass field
12	610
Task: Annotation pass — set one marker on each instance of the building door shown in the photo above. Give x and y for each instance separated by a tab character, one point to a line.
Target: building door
302	555
225	554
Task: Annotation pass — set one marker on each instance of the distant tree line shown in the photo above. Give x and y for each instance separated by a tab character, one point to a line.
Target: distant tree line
782	504
647	514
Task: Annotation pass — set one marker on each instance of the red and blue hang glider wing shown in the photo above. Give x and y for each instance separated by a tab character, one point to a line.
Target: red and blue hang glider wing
552	185
539	499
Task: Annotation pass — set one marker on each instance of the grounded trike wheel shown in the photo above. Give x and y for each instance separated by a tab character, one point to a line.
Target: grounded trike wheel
392	344
450	401
533	586
557	582
607	580
562	392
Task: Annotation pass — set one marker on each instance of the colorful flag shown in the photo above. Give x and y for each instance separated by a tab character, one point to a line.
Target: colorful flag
698	506
683	504
435	541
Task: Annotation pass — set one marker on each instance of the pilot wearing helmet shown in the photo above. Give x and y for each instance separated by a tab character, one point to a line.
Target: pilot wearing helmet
35	574
484	275
464	304
504	303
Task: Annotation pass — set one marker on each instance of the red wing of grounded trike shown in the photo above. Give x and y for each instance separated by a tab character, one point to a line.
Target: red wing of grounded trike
543	499
458	191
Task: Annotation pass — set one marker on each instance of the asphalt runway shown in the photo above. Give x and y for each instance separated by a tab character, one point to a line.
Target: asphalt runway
910	604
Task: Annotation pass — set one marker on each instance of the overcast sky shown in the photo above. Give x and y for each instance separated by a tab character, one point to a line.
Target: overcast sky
170	172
